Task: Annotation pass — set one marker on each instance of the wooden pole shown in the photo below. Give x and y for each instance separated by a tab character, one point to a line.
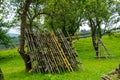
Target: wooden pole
119	72
68	65
1	75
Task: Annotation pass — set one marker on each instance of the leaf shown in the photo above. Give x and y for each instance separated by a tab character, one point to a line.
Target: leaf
1	11
1	3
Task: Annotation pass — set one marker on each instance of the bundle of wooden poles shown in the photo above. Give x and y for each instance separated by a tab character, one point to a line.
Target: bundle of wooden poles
111	74
51	54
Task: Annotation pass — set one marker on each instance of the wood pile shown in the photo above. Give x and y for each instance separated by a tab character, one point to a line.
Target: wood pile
50	55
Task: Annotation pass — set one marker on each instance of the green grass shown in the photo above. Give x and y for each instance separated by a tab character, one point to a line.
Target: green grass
13	67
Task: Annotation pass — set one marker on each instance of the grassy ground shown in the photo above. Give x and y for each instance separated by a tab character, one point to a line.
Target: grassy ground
13	66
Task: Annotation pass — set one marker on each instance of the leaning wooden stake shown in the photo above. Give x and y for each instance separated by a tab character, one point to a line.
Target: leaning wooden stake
55	51
67	47
53	57
104	46
1	75
68	65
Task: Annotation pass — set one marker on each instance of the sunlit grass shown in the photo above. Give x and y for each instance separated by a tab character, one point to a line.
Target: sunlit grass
13	66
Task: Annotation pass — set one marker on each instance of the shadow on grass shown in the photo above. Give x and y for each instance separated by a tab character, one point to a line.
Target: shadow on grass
24	75
7	58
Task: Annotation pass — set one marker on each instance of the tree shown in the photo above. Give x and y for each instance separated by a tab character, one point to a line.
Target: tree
63	14
5	9
97	13
26	12
25	56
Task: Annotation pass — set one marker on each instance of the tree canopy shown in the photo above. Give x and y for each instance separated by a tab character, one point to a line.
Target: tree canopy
63	14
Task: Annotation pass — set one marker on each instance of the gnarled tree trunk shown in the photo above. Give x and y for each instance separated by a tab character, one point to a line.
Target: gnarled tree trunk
95	44
25	56
96	35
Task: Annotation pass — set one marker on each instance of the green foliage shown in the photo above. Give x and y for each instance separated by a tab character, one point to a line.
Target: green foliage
4	26
97	9
5	23
63	14
4	38
13	68
101	12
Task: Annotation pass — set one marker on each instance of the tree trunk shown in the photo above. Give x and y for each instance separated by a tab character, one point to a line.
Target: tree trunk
96	36
25	56
1	75
95	45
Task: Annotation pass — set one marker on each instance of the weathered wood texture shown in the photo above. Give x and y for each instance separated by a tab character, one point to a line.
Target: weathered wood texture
50	55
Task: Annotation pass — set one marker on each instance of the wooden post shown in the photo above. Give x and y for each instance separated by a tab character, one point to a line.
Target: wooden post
119	72
1	75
